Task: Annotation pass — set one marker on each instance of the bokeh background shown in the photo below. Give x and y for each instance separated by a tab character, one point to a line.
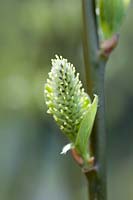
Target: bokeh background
31	167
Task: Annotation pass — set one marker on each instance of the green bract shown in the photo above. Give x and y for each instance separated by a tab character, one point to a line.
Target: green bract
67	101
85	129
110	15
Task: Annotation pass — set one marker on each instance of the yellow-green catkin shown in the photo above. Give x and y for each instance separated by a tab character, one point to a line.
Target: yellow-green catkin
65	97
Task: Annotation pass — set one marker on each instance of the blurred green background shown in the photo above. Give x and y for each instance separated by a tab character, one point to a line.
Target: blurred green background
31	167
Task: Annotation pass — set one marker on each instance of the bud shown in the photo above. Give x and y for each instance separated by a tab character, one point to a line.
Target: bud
110	16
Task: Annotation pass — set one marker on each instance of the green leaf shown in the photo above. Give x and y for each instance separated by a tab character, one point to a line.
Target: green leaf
85	129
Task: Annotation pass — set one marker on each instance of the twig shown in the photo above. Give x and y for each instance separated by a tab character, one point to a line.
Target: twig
95	68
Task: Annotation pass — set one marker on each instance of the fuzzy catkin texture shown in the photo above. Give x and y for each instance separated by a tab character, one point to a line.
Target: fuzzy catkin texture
65	97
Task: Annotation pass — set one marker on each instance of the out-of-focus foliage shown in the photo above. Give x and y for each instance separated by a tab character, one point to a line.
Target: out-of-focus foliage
31	167
31	33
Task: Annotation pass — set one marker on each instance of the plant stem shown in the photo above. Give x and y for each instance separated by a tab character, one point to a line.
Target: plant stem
95	68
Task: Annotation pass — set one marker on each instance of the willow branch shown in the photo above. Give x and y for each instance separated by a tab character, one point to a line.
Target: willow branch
95	68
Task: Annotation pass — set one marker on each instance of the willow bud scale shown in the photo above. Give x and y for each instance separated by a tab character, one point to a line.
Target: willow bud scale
65	97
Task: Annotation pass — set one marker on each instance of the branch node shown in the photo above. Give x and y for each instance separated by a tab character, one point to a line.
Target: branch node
107	46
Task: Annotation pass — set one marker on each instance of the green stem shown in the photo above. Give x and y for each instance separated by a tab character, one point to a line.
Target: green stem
95	68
